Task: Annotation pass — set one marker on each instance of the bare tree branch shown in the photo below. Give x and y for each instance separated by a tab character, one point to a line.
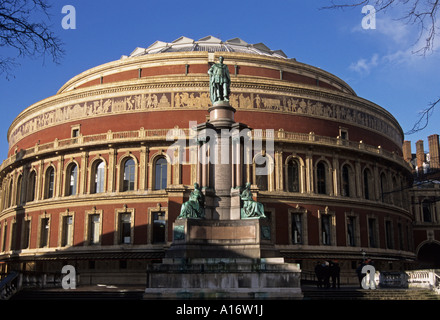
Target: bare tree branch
20	31
422	13
423	120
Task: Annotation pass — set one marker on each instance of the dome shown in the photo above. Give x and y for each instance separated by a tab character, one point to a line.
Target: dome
209	44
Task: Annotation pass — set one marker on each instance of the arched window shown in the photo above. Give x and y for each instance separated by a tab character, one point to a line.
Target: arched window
71	179
129	175
10	192
160	174
397	200
321	178
98	176
383	188
345	181
262	172
367	184
18	190
31	186
50	183
293	176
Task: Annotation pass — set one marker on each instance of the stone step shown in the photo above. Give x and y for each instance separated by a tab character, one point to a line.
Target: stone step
79	294
310	293
362	294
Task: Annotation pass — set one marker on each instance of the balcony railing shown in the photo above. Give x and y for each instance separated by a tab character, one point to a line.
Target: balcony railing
427	279
161	134
9	285
15	281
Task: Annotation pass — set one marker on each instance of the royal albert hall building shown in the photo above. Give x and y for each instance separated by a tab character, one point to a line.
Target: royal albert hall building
88	180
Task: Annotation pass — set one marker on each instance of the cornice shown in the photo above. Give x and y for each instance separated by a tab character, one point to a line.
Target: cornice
183	58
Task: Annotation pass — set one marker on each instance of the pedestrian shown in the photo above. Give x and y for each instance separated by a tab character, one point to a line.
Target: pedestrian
335	271
359	272
326	274
319	273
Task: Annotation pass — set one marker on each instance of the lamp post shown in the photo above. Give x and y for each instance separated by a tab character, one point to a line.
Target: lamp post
363	254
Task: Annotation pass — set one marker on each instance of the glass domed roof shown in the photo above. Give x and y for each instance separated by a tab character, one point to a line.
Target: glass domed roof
210	44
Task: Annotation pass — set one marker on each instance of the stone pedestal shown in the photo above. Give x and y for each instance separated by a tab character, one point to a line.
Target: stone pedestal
226	259
194	238
225	278
222	256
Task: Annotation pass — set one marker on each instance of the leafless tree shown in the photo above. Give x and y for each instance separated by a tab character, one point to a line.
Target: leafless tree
423	14
24	26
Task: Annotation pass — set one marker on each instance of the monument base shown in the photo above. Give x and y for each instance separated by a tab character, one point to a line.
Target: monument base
222	259
226	278
200	238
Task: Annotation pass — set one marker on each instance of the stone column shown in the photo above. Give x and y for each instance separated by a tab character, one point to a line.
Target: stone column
279	170
59	177
83	172
309	173
111	169
39	188
358	179
223	176
143	168
336	176
198	165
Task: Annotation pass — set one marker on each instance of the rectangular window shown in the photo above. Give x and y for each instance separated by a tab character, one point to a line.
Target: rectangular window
13	236
75	132
351	235
5	232
400	230
26	234
343	134
67	231
125	228
389	234
296	228
94	229
372	232
44	232
159	223
325	229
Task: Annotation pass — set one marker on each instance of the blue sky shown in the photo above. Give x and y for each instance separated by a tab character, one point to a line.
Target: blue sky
377	63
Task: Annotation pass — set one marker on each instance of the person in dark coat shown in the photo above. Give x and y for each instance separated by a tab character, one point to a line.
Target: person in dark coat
326	274
335	271
319	271
359	272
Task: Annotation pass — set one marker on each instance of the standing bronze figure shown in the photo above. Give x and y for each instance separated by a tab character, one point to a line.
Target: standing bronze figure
219	81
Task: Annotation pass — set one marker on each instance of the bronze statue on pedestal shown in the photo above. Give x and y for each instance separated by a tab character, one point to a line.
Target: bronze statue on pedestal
219	81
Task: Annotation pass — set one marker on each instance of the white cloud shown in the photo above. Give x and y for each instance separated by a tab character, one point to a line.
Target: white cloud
393	29
388	27
397	43
364	66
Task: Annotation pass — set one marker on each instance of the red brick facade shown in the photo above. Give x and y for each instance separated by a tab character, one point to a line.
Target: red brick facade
326	138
